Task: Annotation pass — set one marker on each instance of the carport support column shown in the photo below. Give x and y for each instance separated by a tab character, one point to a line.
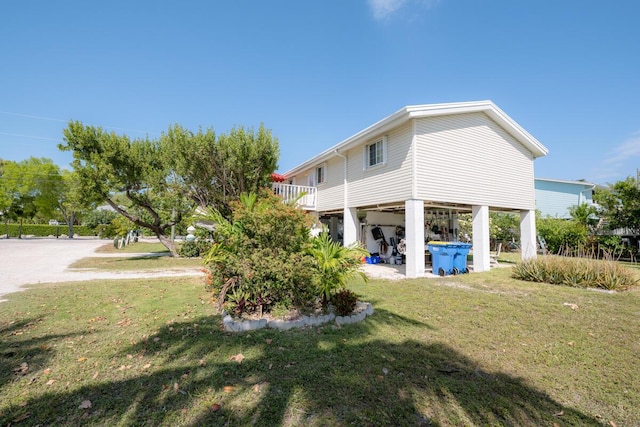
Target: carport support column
481	260
350	226
528	234
414	223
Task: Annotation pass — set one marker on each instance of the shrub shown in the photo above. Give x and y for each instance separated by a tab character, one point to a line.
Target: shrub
259	256
344	302
263	259
194	248
98	217
576	272
44	230
105	231
562	234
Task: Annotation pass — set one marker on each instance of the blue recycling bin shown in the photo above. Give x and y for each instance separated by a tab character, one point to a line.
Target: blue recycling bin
460	257
442	254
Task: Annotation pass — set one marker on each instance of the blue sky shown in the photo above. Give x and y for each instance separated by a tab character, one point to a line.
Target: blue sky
316	72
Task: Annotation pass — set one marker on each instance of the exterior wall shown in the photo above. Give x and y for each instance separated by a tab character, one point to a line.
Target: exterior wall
387	183
554	198
330	193
469	159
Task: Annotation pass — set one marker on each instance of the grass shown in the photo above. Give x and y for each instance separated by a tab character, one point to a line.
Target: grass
138	247
137	263
478	349
509	257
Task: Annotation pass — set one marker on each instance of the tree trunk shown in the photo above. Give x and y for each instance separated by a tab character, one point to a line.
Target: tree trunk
169	244
6	227
20	230
70	221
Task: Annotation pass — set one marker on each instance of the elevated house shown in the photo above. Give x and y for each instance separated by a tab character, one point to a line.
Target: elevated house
407	177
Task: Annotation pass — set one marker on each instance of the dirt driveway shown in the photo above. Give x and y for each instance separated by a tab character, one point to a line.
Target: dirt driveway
32	261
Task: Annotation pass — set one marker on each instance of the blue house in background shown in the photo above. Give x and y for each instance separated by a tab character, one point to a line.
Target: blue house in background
554	197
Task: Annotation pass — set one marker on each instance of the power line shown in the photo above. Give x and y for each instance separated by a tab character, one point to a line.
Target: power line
65	121
32	116
31	136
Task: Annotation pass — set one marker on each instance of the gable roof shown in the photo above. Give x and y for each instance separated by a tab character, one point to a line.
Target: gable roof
430	110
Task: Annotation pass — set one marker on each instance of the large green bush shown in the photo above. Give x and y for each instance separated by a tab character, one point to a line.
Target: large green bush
575	272
263	258
194	248
99	217
562	235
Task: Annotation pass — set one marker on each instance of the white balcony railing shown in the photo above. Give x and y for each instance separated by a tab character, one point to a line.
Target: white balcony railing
306	197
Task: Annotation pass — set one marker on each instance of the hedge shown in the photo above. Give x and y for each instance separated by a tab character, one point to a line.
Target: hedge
44	230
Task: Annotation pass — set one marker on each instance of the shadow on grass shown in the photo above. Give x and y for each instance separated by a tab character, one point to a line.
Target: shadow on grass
320	376
21	357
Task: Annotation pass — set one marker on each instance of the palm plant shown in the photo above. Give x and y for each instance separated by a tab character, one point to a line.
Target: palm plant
335	264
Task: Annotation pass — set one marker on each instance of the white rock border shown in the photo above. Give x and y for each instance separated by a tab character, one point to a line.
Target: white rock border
363	309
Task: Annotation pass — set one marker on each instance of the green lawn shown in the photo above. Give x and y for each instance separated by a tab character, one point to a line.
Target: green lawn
479	349
137	263
138	247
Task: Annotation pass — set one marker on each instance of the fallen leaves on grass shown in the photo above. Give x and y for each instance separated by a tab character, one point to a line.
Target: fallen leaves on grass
22	417
22	369
124	322
237	358
215	407
228	388
572	306
86	404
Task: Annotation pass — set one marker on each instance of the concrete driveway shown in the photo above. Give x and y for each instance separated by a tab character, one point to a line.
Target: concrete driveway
32	261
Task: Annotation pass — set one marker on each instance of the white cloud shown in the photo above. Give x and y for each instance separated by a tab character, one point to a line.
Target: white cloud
383	9
623	152
620	161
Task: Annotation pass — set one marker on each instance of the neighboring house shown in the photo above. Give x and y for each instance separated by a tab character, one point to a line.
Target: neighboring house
411	173
555	197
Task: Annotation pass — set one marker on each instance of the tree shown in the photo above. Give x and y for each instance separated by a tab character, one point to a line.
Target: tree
584	214
163	180
28	188
216	170
70	199
620	204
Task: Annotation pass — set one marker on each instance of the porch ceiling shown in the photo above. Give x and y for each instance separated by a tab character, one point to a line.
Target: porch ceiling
398	207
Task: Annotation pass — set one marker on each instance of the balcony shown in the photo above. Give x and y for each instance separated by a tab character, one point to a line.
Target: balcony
304	196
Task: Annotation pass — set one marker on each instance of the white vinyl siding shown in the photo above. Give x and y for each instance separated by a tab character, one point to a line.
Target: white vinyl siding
385	183
469	159
331	193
